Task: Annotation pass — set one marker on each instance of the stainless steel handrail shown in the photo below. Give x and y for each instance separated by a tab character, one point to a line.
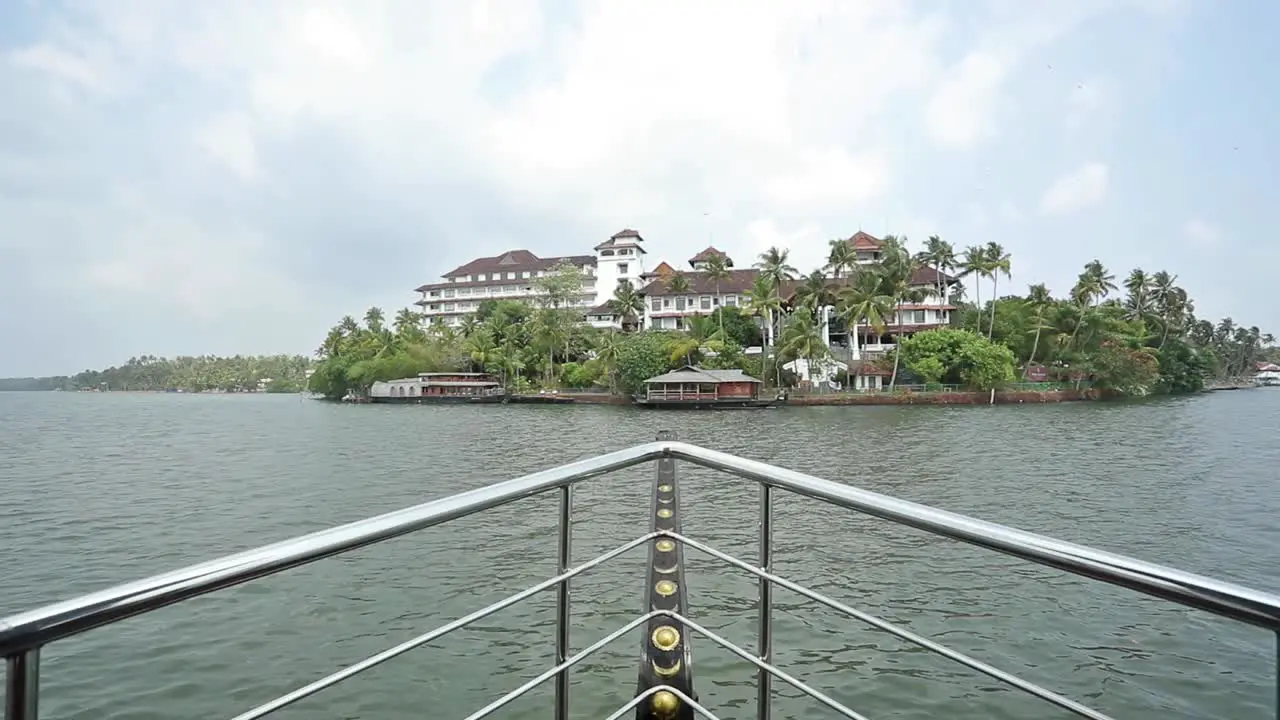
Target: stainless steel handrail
22	635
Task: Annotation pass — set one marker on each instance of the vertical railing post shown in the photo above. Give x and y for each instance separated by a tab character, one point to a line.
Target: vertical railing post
22	685
765	680
562	601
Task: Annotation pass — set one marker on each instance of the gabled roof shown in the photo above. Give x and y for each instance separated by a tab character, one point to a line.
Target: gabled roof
517	260
738	282
865	241
663	270
623	238
692	374
709	253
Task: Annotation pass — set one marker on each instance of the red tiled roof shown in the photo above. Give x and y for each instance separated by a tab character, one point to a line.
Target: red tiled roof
709	253
662	270
517	261
739	281
865	241
626	233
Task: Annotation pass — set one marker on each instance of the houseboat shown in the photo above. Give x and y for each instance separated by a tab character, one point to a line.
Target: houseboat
1266	375
694	387
456	387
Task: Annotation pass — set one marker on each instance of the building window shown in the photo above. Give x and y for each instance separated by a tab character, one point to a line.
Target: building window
524	275
704	302
508	289
434	293
511	276
656	304
622	268
448	307
464	291
680	304
434	306
918	317
477	278
606	253
731	300
449	293
624	251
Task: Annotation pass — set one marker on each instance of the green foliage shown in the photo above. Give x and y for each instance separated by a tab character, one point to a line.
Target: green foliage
1124	370
1183	368
958	357
240	373
739	328
642	356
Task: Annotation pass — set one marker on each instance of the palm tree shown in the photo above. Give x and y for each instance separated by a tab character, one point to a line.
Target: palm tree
802	339
774	266
814	293
717	270
1039	301
627	304
678	283
897	269
1137	304
974	262
764	302
998	262
1163	292
941	256
864	302
841	257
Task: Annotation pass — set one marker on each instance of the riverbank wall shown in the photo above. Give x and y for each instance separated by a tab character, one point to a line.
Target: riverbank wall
1010	397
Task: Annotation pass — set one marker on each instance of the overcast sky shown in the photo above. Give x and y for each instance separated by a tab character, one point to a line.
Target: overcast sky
232	176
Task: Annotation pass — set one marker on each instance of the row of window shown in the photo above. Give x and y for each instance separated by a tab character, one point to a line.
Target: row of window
679	304
512	275
619	251
585	301
495	290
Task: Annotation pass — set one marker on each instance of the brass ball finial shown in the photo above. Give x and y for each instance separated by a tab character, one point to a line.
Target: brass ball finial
664	513
665	545
665	588
665	704
666	638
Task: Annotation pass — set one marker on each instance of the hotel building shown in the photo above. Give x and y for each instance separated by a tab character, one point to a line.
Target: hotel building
512	275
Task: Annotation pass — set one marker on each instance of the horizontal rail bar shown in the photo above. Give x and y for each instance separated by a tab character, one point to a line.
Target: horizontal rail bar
375	660
971	663
59	620
654	691
1221	598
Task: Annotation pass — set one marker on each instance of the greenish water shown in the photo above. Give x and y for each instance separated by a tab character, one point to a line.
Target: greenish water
98	489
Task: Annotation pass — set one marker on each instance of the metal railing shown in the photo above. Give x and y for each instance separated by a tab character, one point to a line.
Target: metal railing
23	635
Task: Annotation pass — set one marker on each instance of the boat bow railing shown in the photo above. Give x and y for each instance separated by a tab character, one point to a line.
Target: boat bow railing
661	693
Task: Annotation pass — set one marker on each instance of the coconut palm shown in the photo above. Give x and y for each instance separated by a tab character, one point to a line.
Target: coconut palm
998	263
841	258
717	270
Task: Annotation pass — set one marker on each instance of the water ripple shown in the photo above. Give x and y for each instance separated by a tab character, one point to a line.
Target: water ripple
100	489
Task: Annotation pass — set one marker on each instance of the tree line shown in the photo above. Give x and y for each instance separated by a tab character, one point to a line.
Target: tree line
204	373
1143	340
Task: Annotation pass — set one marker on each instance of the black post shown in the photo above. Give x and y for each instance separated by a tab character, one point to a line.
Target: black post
666	655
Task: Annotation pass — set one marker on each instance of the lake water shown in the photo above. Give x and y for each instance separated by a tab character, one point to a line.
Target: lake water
97	489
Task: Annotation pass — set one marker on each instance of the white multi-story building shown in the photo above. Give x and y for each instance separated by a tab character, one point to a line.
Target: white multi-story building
512	275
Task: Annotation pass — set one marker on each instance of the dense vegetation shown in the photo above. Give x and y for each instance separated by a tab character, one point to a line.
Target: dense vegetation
1142	340
283	373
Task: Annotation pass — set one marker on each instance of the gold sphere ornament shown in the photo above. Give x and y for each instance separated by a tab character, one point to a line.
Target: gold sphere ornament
666	545
664	488
665	588
665	703
666	638
664	513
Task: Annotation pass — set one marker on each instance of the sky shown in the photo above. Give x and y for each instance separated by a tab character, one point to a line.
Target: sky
233	176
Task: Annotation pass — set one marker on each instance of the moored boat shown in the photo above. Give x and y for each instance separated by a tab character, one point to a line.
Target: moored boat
430	388
695	388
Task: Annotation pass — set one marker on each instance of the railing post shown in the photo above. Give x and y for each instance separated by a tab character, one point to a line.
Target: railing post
22	685
563	564
765	680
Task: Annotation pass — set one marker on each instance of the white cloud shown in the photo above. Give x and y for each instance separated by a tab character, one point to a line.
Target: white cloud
1201	234
960	113
1076	190
792	122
